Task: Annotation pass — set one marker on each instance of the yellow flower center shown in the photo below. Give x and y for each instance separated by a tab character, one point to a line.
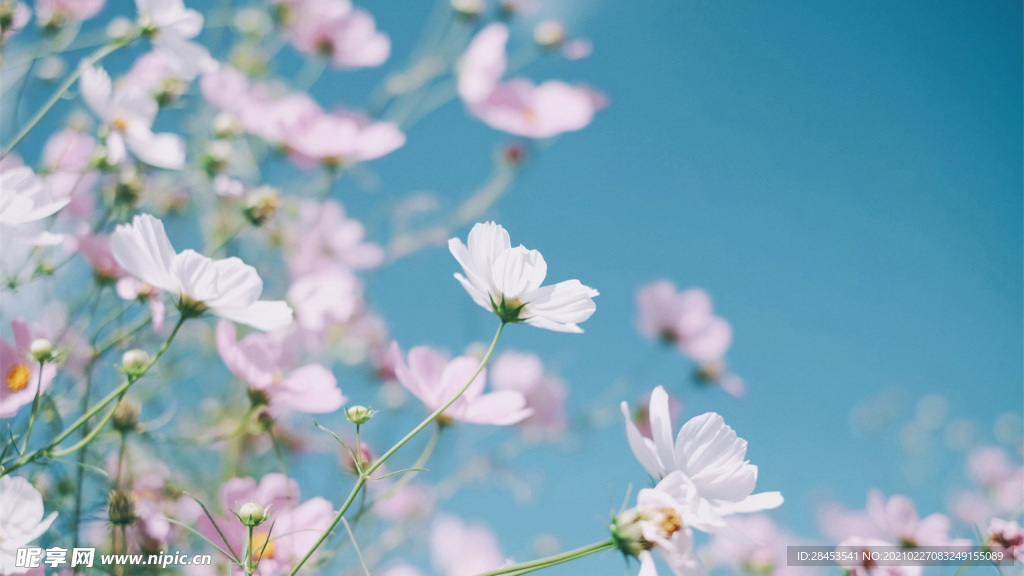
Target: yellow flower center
120	124
671	521
18	377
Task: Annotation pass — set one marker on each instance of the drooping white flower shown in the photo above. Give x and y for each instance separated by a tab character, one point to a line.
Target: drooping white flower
659	523
25	200
709	455
228	288
170	26
508	280
128	113
21	520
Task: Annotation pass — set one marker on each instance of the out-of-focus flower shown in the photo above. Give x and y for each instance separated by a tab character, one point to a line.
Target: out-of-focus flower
324	237
53	13
128	113
25	200
70	151
1005	536
507	281
483	64
129	288
897	520
326	298
545	394
228	288
153	73
410	501
260	361
338	30
709	454
864	566
22	376
343	138
170	27
95	248
14	15
435	380
296	526
461	549
687	321
518	106
659	522
21	520
1000	482
762	553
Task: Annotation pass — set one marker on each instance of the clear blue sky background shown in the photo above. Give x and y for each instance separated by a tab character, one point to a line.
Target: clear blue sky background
845	178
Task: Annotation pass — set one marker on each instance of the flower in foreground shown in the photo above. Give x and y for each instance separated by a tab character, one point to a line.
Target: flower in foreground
709	455
227	288
21	375
508	280
129	112
21	520
435	380
261	362
25	200
658	523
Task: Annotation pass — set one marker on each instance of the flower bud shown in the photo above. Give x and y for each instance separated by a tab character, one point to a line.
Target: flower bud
359	414
125	417
252	514
628	533
261	204
42	350
225	126
134	360
121	507
549	34
217	157
128	189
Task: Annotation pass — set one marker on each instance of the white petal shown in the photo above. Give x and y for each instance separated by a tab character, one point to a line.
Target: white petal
96	88
661	428
143	249
160	150
642	448
266	315
561	306
711	454
518	271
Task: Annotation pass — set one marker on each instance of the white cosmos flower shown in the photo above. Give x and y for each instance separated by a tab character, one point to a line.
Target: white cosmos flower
507	281
21	520
659	523
170	26
128	113
228	288
25	200
710	457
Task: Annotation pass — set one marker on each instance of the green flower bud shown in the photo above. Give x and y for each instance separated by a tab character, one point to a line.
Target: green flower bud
359	414
42	350
121	507
134	361
252	514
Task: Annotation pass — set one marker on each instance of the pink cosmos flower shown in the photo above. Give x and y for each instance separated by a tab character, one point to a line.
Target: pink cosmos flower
461	549
435	380
95	248
710	456
897	519
867	567
70	151
1005	536
296	526
56	11
342	138
324	237
1001	484
129	113
335	28
545	394
687	321
260	361
323	299
518	106
153	73
412	500
22	376
763	552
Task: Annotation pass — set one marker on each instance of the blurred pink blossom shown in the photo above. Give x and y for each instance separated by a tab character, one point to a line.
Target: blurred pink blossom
324	237
435	380
57	10
22	375
545	394
338	30
462	549
762	552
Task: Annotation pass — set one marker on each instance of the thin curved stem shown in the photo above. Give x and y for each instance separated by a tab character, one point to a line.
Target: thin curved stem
365	474
95	57
525	567
35	408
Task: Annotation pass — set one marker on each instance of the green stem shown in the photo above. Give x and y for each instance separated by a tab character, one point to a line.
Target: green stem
91	60
35	409
525	567
249	568
114	395
436	413
365	475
